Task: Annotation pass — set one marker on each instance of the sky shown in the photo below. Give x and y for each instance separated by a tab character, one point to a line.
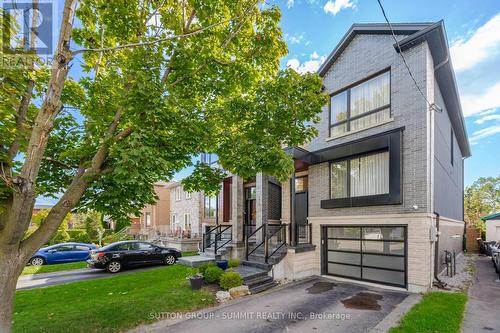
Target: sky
312	29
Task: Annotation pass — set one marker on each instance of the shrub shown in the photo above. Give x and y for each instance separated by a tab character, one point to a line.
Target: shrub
79	236
230	280
213	274
234	262
203	267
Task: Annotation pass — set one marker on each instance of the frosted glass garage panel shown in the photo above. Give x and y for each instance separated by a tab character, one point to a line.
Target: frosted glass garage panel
343	245
384	247
344	232
384	276
345	258
345	270
384	261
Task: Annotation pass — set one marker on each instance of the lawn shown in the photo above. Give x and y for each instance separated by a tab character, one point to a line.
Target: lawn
108	305
53	268
437	312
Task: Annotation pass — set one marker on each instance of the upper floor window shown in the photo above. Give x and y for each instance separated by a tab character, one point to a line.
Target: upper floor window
209	158
147	219
177	193
362	105
188	195
210	206
360	176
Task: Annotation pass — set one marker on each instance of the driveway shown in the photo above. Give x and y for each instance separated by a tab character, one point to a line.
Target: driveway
314	305
51	279
483	306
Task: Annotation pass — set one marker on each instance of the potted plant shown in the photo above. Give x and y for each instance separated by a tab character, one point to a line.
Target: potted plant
196	281
222	264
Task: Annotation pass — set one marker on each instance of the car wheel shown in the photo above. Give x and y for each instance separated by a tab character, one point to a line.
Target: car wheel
114	266
170	259
37	261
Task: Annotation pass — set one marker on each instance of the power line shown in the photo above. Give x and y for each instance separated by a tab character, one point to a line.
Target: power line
431	105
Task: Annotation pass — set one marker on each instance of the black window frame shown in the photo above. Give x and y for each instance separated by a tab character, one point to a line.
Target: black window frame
347	89
389	141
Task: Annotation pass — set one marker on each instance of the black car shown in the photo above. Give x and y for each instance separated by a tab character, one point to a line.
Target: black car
116	256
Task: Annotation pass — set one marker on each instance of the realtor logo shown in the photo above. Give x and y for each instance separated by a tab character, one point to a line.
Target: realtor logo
27	27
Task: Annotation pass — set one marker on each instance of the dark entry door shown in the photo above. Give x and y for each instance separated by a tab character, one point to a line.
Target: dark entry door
370	253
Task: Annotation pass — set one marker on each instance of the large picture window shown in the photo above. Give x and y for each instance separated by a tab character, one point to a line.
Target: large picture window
362	105
210	206
360	176
365	172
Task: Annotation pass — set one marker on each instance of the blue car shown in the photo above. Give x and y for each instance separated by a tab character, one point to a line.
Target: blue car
62	253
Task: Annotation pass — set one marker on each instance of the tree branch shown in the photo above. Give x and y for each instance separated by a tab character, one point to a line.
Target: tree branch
118	47
54	161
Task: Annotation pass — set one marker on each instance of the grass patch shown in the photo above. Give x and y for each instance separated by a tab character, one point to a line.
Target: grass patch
437	312
110	304
190	253
53	268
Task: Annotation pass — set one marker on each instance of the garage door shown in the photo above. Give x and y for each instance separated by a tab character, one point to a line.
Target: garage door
369	253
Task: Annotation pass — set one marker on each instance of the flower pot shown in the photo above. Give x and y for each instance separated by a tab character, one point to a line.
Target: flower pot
223	264
196	282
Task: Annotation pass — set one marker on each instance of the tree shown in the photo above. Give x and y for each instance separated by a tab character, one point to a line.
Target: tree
61	234
165	80
481	198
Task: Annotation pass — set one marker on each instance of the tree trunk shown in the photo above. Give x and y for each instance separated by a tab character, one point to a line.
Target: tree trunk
10	268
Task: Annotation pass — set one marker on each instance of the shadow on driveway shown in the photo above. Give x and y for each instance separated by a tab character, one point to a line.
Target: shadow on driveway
314	305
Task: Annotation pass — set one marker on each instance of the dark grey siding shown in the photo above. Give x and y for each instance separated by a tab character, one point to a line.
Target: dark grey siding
448	177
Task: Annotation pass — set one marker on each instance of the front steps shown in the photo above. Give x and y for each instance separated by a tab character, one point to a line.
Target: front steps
259	256
255	276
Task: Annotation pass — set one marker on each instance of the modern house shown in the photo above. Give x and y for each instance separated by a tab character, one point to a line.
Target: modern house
492	227
377	196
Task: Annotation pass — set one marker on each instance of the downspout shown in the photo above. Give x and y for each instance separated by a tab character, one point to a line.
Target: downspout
436	251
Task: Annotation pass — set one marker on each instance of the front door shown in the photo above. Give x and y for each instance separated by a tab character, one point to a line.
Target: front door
250	209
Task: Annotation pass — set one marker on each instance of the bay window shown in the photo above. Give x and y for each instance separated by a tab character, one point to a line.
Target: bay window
360	176
365	172
361	106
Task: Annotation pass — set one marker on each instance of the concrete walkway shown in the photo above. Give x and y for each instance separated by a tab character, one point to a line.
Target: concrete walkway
314	305
482	313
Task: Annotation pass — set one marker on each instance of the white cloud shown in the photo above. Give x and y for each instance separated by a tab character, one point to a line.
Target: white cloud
335	6
477	103
290	3
490	111
482	44
296	39
488	118
309	66
484	133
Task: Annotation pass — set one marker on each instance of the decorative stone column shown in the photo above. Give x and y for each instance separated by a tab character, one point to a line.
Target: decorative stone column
237	216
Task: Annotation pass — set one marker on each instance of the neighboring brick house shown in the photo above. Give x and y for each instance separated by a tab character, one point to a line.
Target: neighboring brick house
185	212
377	196
154	219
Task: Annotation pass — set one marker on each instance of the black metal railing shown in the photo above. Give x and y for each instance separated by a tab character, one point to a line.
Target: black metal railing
217	237
275	240
269	237
254	238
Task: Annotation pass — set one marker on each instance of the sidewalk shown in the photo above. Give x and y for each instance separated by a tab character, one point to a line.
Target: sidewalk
482	313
